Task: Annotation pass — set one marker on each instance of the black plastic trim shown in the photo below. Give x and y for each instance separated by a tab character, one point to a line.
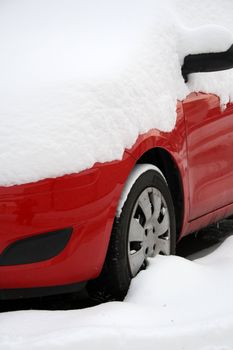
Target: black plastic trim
207	62
25	293
35	249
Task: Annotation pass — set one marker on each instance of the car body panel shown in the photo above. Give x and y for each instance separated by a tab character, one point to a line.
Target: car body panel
209	144
87	201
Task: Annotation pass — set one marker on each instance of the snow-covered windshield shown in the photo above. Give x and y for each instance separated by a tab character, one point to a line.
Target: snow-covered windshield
80	80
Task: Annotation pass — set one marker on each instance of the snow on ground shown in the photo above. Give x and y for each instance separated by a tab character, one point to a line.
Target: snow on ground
175	304
80	80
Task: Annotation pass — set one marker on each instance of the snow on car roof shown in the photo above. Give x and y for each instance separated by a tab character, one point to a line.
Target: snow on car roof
80	80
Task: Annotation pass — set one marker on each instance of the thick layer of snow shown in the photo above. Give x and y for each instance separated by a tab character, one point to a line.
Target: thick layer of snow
174	304
80	80
190	40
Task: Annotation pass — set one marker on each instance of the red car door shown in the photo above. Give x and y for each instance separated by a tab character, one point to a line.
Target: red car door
209	132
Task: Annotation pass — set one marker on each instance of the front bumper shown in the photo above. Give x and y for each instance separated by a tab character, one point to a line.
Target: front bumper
86	202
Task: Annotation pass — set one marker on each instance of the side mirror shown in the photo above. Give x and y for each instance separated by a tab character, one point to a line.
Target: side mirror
207	62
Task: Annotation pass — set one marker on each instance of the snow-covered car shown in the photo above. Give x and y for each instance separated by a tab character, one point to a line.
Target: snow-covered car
91	198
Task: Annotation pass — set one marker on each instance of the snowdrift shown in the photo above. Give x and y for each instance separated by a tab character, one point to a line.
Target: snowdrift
174	304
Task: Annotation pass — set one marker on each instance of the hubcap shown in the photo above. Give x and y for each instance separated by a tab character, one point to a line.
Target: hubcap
149	228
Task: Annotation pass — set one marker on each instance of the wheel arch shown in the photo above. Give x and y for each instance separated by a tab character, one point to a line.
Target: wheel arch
162	159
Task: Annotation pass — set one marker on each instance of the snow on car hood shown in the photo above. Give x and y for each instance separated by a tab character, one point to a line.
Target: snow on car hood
80	80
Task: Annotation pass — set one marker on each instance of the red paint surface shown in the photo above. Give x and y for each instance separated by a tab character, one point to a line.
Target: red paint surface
201	146
210	145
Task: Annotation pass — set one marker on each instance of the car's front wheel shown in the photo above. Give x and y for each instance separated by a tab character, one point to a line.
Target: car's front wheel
144	227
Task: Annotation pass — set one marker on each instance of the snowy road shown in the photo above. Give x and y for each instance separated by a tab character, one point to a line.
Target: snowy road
176	303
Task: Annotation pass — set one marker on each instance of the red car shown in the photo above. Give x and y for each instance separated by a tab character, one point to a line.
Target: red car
100	225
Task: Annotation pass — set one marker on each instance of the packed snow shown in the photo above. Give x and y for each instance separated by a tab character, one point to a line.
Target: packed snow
80	80
175	304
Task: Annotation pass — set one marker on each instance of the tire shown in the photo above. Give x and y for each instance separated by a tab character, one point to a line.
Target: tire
144	227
